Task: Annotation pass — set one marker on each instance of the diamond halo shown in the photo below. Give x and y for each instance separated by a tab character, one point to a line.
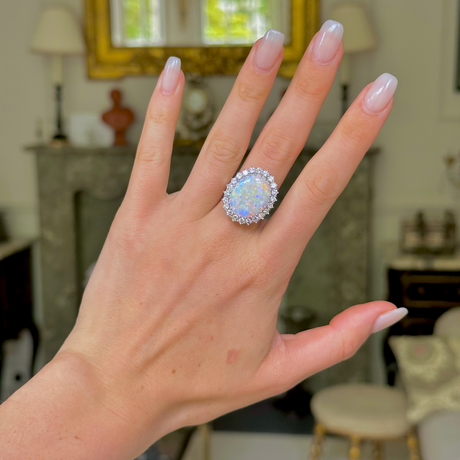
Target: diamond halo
252	177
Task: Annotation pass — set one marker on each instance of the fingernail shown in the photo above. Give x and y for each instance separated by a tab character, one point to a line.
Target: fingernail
380	93
269	49
389	318
327	41
170	76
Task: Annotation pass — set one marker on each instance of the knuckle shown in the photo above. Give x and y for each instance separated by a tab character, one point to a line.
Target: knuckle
249	93
349	347
348	344
128	239
159	116
153	154
308	88
276	147
355	132
322	186
225	150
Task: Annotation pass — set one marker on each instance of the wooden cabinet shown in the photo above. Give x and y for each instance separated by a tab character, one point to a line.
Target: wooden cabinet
427	294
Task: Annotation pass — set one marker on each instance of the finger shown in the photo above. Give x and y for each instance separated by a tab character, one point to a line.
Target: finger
229	138
296	357
150	173
285	134
328	172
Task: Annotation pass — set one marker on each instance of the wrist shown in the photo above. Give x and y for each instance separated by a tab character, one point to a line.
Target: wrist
68	410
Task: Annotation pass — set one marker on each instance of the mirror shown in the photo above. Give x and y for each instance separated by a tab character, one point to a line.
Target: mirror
145	23
210	36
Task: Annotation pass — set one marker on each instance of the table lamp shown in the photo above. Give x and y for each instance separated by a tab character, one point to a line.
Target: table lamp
358	37
58	34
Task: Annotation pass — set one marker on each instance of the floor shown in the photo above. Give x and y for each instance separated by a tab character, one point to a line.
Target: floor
266	446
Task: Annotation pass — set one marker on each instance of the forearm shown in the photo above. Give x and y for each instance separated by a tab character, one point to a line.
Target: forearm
63	413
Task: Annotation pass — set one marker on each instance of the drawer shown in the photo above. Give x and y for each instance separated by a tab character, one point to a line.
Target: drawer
430	290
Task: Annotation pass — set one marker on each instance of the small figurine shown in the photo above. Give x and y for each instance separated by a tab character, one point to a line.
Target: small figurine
119	118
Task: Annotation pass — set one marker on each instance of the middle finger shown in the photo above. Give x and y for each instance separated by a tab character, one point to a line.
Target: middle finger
285	134
229	138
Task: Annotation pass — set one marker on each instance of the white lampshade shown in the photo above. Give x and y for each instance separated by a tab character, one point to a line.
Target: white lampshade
358	33
58	33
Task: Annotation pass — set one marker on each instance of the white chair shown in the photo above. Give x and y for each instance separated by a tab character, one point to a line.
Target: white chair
448	324
362	412
439	432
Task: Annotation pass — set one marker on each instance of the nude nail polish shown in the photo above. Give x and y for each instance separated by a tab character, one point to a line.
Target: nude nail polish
327	41
170	77
389	318
269	49
380	93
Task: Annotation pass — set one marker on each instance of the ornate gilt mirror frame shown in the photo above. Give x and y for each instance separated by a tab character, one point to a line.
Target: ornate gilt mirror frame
107	62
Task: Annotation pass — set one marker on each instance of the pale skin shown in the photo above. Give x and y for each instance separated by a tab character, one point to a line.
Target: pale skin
178	323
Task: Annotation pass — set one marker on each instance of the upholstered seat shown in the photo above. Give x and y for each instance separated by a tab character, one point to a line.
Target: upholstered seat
363	410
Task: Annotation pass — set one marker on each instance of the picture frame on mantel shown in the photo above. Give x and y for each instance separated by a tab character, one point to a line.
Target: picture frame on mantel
106	61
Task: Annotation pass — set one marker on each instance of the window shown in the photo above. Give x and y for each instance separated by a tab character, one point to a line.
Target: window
138	22
241	21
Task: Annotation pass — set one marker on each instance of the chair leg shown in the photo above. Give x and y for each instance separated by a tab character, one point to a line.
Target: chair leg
354	453
378	454
315	450
412	444
205	432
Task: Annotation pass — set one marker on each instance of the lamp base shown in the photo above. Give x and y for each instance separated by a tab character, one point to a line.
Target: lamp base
59	140
344	98
59	137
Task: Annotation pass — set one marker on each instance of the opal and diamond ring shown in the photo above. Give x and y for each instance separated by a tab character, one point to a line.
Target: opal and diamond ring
250	196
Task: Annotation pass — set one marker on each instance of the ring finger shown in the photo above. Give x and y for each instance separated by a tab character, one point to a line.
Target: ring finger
286	132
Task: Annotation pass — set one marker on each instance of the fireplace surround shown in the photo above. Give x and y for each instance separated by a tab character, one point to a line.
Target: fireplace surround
80	190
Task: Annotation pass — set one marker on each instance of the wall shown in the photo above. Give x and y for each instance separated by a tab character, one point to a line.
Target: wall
409	170
23	91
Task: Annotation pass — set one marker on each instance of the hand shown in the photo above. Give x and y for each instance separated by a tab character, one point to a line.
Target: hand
178	323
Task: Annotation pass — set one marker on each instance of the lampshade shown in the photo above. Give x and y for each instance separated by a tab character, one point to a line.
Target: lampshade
358	34
58	33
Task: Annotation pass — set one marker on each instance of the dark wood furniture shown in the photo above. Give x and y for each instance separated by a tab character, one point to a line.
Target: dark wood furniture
427	288
16	311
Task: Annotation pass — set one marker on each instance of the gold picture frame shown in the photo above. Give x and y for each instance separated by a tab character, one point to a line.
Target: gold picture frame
104	61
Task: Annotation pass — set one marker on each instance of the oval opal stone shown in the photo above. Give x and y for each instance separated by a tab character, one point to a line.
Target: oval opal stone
250	196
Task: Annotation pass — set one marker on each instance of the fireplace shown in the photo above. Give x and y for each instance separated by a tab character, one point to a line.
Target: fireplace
81	189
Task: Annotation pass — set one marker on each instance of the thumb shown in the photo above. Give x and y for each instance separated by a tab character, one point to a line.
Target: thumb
295	357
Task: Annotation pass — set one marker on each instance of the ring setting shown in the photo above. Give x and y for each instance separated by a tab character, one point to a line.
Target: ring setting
250	196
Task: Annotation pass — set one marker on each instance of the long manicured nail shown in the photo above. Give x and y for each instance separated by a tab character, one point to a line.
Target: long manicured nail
269	49
170	76
327	41
389	318
380	93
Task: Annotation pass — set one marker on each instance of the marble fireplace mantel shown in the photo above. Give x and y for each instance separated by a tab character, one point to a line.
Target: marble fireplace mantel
332	274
